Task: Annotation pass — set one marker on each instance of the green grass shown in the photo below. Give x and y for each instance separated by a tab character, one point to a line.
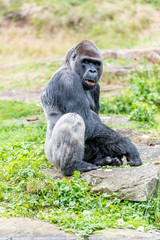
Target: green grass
26	191
10	110
17	133
27	75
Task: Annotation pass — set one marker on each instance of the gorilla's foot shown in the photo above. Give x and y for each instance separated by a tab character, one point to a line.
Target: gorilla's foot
109	161
114	161
80	166
86	167
134	162
132	154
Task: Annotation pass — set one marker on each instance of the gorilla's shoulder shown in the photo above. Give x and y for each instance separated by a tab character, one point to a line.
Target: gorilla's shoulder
65	74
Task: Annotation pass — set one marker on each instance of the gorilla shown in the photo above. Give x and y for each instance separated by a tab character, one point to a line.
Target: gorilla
76	139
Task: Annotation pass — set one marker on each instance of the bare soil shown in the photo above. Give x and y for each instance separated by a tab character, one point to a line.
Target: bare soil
22	94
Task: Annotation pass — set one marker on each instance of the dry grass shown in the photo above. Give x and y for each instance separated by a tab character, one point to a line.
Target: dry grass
51	28
18	45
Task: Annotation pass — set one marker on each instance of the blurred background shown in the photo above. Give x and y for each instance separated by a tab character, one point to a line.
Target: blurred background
33	29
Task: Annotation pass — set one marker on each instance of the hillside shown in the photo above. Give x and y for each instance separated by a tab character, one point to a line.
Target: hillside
33	29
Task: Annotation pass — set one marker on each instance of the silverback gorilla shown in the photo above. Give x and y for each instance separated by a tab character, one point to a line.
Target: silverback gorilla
76	138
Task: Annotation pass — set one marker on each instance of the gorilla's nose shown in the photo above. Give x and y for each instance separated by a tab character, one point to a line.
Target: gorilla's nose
92	70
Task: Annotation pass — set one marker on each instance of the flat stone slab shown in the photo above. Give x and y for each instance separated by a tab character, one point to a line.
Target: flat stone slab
149	154
130	53
125	234
131	183
18	228
24	227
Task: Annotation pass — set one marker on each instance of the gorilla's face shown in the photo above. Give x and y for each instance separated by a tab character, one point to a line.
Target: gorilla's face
91	72
89	69
85	59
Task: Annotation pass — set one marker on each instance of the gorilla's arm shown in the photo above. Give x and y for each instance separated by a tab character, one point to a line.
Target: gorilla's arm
95	92
65	91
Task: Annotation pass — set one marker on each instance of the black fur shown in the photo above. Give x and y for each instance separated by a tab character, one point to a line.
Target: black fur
74	89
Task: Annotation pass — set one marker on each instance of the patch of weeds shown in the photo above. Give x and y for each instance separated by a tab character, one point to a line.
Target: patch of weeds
142	112
16	109
141	101
118	105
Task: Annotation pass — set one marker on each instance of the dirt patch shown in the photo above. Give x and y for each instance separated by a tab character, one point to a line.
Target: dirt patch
22	94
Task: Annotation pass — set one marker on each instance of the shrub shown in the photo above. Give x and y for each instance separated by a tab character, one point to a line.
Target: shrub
142	99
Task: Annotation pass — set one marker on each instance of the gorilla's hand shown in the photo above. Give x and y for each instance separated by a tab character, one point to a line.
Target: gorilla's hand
113	161
132	154
110	161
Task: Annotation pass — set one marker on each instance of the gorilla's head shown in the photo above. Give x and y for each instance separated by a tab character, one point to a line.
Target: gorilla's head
85	59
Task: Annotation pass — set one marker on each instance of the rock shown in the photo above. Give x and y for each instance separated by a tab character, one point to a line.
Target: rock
131	183
149	154
129	53
154	58
124	234
18	226
110	87
119	70
114	120
140	228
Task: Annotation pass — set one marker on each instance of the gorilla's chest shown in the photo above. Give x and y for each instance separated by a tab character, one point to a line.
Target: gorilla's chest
90	100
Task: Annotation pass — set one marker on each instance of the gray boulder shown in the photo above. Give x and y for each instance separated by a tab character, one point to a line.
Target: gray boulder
149	154
131	183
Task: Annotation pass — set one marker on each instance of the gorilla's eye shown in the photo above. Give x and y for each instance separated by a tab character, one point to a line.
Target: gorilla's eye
97	64
85	61
74	57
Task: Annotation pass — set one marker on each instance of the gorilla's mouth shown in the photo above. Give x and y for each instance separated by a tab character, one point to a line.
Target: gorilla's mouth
90	81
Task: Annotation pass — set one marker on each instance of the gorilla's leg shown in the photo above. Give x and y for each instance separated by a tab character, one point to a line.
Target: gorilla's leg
65	148
98	155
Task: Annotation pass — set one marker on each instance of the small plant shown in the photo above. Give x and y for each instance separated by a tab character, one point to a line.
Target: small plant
142	112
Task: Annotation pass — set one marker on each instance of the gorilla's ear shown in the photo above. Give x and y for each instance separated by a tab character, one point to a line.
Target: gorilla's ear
68	58
74	57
